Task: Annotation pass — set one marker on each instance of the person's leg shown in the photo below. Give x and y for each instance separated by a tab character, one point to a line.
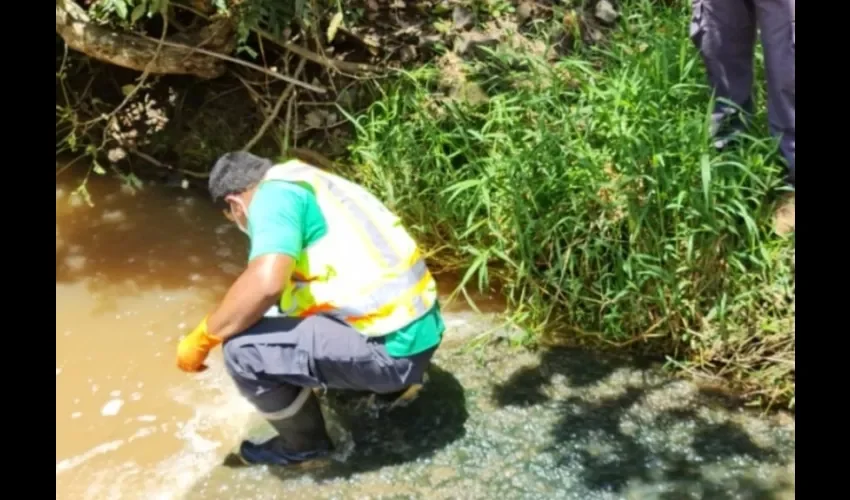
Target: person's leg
776	23
277	361
415	375
270	367
301	434
724	32
344	359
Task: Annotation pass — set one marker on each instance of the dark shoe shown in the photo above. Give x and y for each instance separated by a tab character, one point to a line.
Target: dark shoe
731	138
273	452
728	124
301	438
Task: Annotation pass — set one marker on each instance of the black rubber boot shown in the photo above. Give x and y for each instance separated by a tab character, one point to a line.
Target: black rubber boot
728	130
302	437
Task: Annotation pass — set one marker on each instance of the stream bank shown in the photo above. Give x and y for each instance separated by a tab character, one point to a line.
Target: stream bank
498	422
140	266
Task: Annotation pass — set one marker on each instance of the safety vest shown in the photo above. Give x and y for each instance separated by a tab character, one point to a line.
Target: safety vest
366	271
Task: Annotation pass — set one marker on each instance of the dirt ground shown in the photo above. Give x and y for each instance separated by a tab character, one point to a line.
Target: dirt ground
784	217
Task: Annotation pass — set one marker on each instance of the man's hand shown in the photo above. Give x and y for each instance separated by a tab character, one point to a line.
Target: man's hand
194	349
256	289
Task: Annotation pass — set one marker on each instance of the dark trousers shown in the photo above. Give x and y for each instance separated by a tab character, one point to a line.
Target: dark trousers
279	356
724	31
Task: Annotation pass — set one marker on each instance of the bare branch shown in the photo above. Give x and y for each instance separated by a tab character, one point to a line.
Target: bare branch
343	66
275	111
225	57
138	53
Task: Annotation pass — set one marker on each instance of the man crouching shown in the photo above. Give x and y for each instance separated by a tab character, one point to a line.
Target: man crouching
335	295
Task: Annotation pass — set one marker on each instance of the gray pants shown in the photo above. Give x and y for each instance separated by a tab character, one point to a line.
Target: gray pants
724	31
279	356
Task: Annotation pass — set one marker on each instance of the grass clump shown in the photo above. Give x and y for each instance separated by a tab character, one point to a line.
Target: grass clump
587	187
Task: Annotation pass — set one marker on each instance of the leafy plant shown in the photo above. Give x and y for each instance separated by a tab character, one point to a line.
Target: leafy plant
589	189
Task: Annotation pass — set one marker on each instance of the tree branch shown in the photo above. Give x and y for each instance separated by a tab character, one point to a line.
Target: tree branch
131	51
275	111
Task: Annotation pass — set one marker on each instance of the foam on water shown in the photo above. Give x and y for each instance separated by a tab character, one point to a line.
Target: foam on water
493	424
227	414
70	463
112	407
219	420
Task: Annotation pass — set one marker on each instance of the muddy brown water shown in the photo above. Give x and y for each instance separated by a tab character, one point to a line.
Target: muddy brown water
139	269
134	272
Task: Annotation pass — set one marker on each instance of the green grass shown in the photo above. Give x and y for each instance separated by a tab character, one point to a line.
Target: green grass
588	190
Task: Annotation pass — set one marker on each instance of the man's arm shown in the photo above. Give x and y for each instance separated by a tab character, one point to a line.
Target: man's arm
251	295
276	226
276	230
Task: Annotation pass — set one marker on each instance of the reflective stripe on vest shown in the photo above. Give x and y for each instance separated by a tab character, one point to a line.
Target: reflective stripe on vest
404	289
387	294
376	237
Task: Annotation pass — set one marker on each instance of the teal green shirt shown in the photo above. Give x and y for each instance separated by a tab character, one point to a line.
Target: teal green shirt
285	218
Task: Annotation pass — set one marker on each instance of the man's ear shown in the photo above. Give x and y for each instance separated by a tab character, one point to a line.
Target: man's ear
238	209
235	205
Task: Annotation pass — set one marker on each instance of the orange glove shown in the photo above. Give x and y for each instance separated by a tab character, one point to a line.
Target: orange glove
194	348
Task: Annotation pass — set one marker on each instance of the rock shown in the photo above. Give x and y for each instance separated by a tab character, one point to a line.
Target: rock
524	11
462	18
314	119
430	40
595	35
407	53
783	218
606	12
468	41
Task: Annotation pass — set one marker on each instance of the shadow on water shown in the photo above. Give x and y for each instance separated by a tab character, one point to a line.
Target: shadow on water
152	238
640	429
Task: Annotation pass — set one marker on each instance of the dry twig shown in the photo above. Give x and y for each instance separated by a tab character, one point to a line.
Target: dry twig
279	104
225	57
153	161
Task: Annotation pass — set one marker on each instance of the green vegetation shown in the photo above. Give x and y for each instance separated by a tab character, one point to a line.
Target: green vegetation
589	190
578	177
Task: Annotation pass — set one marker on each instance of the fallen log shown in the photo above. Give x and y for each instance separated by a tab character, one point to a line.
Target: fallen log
142	54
